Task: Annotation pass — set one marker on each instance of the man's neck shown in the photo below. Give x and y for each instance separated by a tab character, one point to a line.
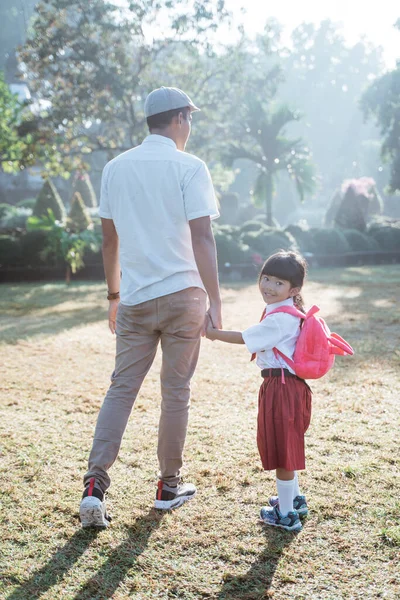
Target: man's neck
168	134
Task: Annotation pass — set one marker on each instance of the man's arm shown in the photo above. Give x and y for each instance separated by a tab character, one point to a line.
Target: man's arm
110	250
205	253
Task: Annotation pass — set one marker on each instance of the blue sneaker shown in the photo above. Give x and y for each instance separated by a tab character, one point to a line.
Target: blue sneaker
272	516
299	504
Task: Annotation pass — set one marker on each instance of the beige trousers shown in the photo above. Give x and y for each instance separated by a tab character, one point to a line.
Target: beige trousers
175	320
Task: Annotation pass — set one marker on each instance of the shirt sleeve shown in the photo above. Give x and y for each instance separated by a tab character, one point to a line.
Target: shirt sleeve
263	336
199	195
104	208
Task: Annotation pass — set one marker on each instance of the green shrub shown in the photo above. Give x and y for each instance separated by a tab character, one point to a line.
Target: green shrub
6	210
255	226
303	237
10	251
230	250
387	236
16	219
267	242
83	186
78	218
33	244
49	198
27	203
330	241
360	242
352	211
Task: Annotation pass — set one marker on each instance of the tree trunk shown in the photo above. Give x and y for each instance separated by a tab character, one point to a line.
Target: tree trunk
268	200
68	275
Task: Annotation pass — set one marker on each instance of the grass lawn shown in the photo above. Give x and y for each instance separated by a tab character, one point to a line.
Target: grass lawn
57	355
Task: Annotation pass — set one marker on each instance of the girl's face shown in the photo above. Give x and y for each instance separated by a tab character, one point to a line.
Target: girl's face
275	290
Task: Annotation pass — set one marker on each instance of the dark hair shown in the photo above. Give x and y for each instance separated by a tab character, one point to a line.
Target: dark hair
289	266
162	120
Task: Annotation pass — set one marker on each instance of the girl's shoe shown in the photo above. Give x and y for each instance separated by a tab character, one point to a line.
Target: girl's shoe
299	504
272	516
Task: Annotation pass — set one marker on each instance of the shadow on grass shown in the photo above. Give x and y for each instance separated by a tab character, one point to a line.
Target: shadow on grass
14	329
257	581
104	583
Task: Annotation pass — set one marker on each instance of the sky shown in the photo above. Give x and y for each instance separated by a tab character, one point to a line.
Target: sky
375	20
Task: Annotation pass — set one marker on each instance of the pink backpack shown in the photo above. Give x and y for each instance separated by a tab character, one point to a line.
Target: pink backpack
316	345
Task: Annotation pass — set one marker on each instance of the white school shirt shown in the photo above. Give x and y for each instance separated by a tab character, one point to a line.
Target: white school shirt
151	192
277	331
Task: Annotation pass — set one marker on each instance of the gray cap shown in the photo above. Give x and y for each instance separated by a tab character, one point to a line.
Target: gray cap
164	99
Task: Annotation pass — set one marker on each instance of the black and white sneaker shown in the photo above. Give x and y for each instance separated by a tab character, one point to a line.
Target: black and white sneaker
92	511
172	497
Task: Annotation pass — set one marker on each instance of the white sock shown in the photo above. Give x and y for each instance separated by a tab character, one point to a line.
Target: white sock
296	489
285	495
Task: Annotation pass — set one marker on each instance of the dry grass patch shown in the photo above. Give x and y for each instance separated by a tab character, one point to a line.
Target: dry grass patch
57	356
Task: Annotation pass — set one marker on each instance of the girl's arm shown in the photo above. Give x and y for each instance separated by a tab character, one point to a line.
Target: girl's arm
231	337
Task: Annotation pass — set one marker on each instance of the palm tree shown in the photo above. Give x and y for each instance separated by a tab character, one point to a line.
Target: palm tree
263	141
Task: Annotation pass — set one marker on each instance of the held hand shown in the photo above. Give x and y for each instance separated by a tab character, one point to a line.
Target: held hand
112	314
214	312
210	331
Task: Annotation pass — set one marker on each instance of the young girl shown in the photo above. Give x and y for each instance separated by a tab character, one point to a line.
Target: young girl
284	401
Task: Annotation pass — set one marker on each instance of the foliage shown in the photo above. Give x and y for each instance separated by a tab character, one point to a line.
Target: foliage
27	203
350	214
327	75
254	226
91	65
16	219
360	242
84	187
382	101
62	244
330	241
33	244
387	236
6	210
49	199
18	136
78	217
229	248
10	251
303	237
262	140
268	242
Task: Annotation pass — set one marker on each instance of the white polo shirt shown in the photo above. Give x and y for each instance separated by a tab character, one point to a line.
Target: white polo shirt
280	330
151	192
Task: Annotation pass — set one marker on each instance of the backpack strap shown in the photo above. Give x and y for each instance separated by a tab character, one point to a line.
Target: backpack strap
340	346
262	316
292	310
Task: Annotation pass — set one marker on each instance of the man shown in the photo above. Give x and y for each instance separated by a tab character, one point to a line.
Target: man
159	256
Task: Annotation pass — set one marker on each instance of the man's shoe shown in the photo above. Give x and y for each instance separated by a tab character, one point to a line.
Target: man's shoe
273	516
299	504
171	497
92	511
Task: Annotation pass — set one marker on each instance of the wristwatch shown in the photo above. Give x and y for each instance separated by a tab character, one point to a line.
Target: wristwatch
112	295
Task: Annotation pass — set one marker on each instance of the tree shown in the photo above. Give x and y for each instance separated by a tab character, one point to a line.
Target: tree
263	142
18	139
382	101
84	187
63	244
90	65
49	199
325	77
78	218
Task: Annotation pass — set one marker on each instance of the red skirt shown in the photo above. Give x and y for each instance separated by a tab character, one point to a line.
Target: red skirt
284	413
